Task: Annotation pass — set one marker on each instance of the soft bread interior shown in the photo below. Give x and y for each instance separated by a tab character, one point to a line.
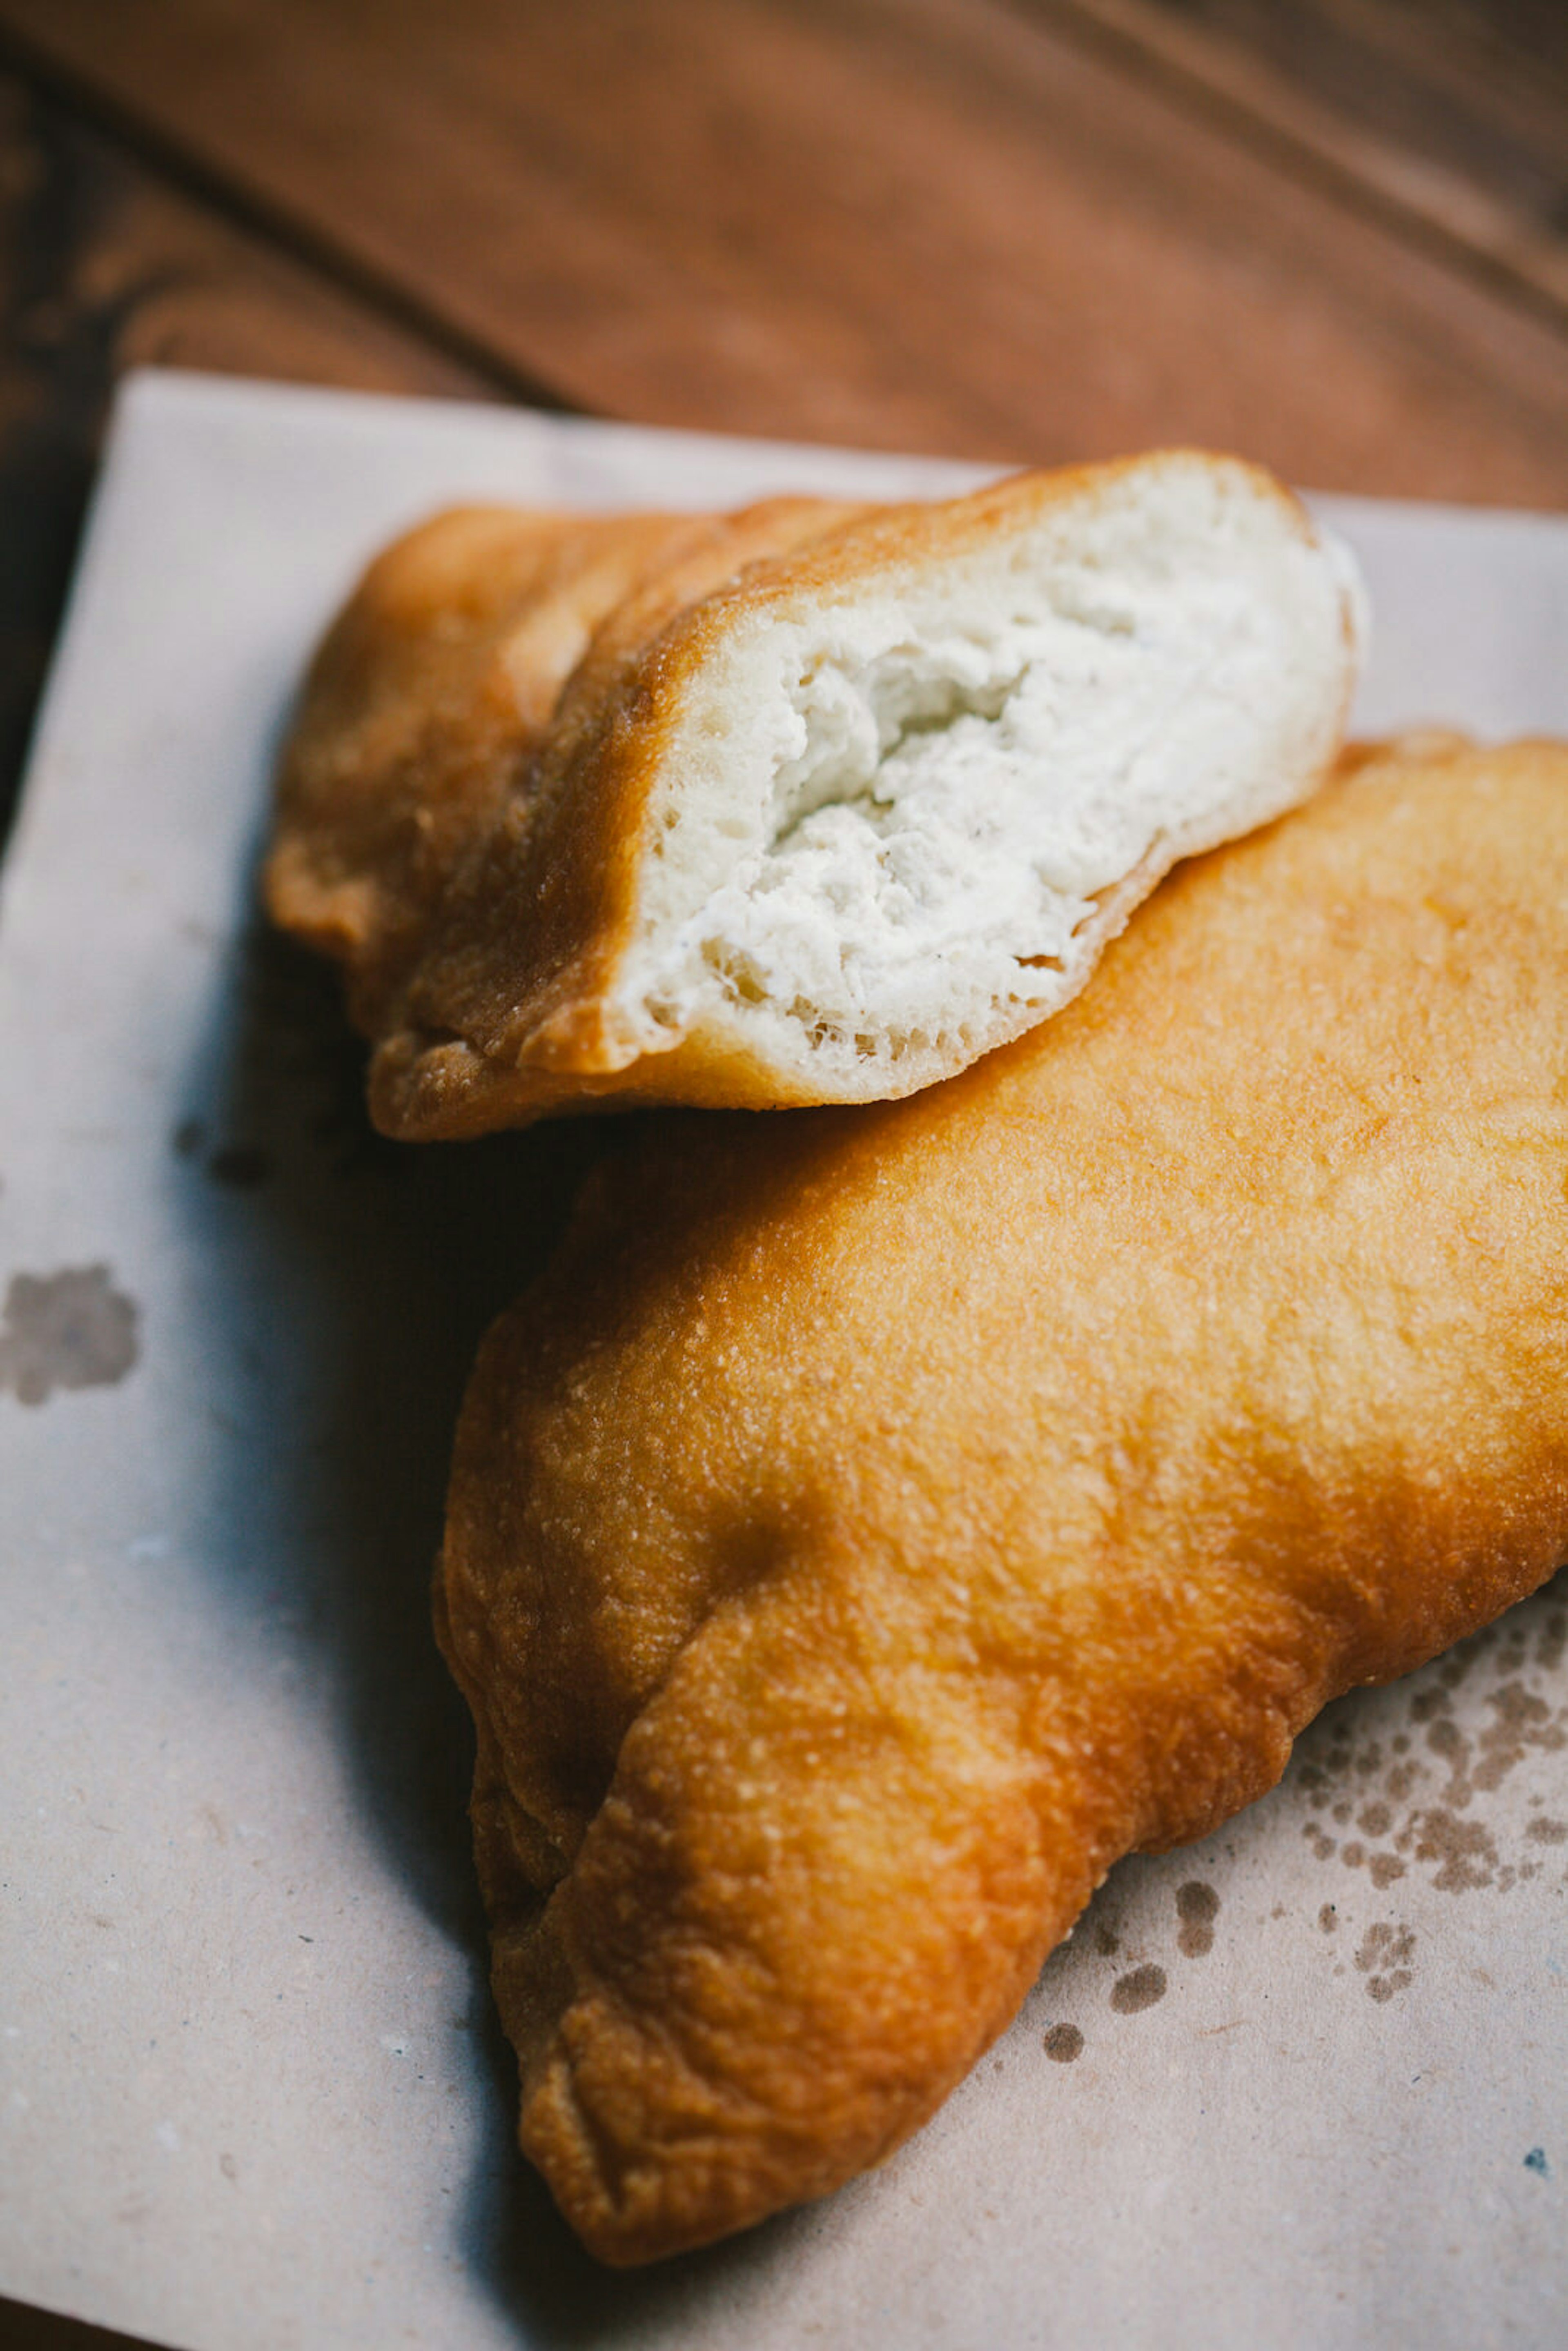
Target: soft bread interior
895	824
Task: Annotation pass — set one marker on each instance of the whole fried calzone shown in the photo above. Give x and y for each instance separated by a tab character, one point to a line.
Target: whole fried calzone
881	1520
808	803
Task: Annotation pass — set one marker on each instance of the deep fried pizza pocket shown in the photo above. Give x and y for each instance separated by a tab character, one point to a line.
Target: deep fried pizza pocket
809	803
878	1521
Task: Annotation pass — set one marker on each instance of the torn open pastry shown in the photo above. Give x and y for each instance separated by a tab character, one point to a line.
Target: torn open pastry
809	803
878	1521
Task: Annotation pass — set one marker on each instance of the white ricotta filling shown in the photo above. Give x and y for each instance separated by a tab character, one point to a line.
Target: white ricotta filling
893	823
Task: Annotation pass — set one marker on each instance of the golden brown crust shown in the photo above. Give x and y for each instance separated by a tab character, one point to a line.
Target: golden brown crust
411	778
431	688
879	1520
523	1000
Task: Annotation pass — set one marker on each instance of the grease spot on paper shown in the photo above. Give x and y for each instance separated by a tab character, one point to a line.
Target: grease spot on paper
1138	1990
1198	1906
72	1329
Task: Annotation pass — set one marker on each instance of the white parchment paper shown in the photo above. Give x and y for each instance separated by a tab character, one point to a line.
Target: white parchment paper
1305	2084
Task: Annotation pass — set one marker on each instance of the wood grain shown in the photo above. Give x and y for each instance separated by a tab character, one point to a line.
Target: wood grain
937	224
103	267
1449	120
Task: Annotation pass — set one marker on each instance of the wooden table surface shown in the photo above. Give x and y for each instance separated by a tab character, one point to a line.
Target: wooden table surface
1332	234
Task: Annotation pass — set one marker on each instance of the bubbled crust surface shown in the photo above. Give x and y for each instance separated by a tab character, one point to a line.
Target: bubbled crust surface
877	1521
414	795
427	697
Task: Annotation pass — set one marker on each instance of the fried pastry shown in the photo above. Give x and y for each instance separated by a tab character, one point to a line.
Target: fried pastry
878	1521
809	803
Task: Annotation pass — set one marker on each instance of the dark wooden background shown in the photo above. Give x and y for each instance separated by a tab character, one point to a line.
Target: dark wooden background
1331	233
